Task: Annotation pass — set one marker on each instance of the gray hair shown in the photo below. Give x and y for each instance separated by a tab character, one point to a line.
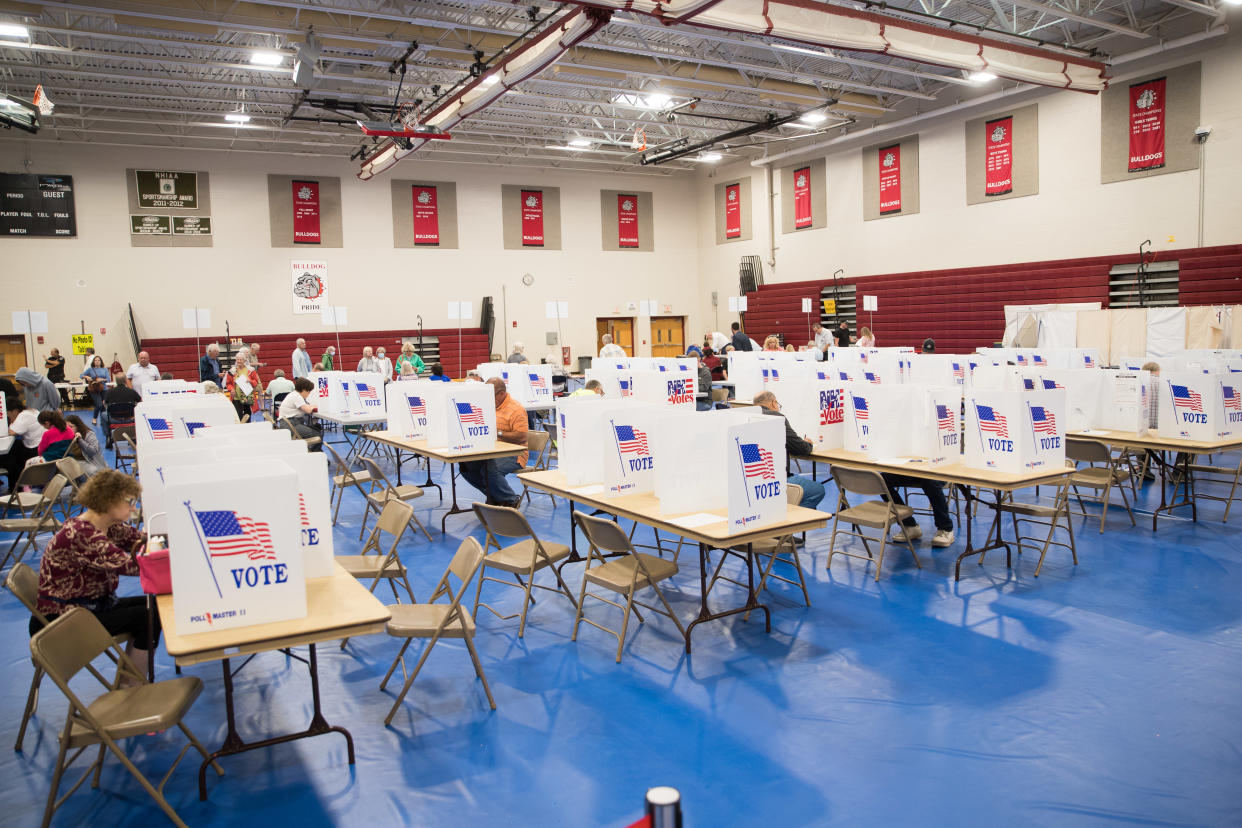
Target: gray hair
764	397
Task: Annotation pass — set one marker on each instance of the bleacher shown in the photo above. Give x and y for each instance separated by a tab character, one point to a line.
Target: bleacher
964	308
180	355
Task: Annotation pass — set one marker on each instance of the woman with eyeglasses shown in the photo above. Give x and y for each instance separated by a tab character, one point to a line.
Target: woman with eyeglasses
81	565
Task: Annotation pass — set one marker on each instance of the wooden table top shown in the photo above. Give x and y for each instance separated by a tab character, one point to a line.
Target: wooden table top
394	439
353	419
1152	440
645	508
948	472
337	606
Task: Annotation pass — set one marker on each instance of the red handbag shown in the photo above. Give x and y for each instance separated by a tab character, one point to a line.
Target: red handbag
154	573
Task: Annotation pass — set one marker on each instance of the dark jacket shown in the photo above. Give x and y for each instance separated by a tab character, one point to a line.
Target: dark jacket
741	342
794	444
209	370
705	379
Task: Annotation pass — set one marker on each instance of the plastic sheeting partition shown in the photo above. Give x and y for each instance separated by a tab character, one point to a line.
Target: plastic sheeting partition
1127	334
1166	331
1095	331
1025	324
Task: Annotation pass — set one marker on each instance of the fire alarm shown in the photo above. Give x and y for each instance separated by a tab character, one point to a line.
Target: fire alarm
515	323
103	330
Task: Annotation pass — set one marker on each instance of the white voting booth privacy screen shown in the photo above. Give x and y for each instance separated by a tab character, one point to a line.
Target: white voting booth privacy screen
665	387
815	409
169	388
1122	401
348	393
629	457
756	473
694	459
1197	406
181	417
897	421
407	407
1014	431
233	545
461	416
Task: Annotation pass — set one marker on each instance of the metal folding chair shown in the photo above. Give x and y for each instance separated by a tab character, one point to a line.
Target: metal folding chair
872	514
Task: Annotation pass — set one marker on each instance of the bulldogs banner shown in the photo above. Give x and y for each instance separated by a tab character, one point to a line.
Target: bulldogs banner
889	159
998	157
532	218
306	212
733	211
1147	114
426	215
802	198
627	221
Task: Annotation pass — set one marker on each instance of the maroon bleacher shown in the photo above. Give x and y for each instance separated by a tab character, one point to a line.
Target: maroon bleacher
180	356
965	308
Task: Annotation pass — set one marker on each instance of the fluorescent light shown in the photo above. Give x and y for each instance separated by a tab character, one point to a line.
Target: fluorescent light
237	118
813	118
709	157
559	147
580	142
658	100
491	80
12	30
801	50
266	58
982	77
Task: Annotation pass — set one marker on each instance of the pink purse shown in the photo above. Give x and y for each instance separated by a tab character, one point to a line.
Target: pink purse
154	573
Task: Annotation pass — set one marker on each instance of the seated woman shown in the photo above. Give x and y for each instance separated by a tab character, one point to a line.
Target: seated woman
56	436
295	408
81	564
242	385
27	433
92	455
772	343
437	373
866	339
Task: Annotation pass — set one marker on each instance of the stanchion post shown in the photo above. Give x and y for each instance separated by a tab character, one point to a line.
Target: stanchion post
664	807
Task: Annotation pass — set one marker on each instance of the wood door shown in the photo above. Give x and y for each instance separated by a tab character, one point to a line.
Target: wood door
668	336
622	330
12	354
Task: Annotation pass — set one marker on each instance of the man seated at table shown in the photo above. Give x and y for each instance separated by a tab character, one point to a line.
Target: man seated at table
939	505
795	445
593	388
489	476
124	398
279	387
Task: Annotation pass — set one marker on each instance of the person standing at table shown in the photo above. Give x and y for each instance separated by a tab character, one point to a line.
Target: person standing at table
408	357
384	362
866	339
253	356
369	363
209	366
740	341
96	378
610	350
301	360
41	394
243	387
142	372
795	446
83	562
842	333
55	367
490	476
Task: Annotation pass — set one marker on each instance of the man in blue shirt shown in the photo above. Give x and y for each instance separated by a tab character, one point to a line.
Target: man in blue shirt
209	366
301	360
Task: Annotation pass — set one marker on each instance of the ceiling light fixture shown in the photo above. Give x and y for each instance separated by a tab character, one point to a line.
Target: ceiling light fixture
800	50
814	118
579	143
709	157
237	118
491	80
657	100
982	77
266	58
13	30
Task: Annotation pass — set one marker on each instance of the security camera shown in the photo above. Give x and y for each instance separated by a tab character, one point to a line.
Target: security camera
1202	133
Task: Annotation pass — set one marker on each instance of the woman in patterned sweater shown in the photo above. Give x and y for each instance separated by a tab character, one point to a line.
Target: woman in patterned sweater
81	565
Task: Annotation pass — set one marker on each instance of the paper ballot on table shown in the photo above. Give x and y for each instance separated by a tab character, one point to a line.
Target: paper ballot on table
756	473
1197	406
461	416
407	407
1015	431
233	545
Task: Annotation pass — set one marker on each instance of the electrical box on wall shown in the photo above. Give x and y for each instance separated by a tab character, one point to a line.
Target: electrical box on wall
552	338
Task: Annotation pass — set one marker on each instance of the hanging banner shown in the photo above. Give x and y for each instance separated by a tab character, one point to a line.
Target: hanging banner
627	221
426	215
310	286
890	179
733	211
802	198
532	218
306	212
998	157
1147	111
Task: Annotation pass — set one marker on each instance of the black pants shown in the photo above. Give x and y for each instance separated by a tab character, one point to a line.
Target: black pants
16	459
127	615
935	496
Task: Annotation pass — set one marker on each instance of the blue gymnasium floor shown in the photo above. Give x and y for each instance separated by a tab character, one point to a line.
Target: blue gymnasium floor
1094	695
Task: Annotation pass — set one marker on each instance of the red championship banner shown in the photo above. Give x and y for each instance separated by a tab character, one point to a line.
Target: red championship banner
733	211
627	221
426	215
532	218
306	212
890	178
802	198
998	157
1147	109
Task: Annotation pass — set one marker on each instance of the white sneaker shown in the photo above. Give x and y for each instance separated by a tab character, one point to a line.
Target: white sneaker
943	537
908	533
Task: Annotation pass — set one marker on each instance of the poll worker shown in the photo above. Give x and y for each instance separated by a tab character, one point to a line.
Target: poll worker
41	394
142	372
609	349
593	388
301	360
327	361
296	410
369	363
715	340
55	366
939	505
408	357
83	562
824	338
842	333
740	341
26	431
795	445
384	362
209	366
489	476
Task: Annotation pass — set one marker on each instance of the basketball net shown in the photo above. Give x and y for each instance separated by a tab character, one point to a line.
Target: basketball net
41	101
639	141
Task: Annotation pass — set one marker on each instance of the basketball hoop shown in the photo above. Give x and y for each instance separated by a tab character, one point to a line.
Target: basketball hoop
639	141
41	101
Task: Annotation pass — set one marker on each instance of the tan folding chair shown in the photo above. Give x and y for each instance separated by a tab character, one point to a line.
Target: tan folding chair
537	448
872	514
125	450
310	441
23	497
1036	514
42	519
524	558
1208	474
625	571
67	646
71	470
374	562
551	427
1105	476
438	620
344	476
771	548
382	490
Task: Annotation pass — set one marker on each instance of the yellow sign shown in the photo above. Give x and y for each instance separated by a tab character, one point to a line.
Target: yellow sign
83	343
830	306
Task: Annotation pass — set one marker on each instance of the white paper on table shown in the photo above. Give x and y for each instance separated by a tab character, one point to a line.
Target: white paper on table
697	519
588	490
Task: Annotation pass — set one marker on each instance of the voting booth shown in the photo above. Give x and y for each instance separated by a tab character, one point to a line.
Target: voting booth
616	382
233	540
1197	406
169	388
348	393
887	422
461	416
532	384
1122	401
407	407
815	408
695	456
180	417
580	425
664	387
755	478
1014	431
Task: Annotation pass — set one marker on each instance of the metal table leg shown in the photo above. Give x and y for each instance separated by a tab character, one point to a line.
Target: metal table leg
752	598
987	545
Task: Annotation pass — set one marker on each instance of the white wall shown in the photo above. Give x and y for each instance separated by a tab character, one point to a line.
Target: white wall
1073	215
244	280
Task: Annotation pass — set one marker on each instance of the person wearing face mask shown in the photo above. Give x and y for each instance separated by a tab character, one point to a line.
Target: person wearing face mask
385	363
326	362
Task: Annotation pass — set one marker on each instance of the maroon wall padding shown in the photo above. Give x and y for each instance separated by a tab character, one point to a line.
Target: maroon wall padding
180	356
965	308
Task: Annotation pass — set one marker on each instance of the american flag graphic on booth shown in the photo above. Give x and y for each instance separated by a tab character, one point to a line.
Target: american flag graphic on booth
537	381
1233	401
944	418
1038	360
958	373
1088	361
1028	383
625	388
1043	421
323	386
757	462
991	421
193	427
228	533
417	407
469	414
1183	397
161	429
303	515
773	373
1021	359
871	378
631	440
860	407
366	391
1050	385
